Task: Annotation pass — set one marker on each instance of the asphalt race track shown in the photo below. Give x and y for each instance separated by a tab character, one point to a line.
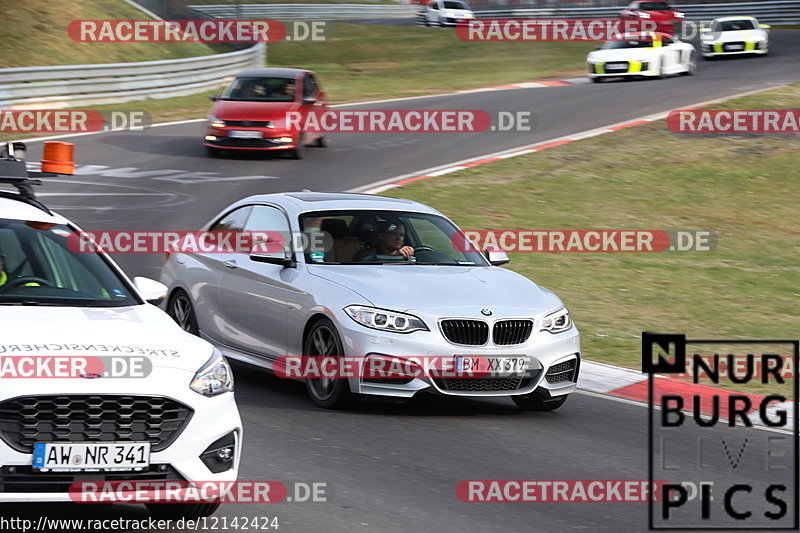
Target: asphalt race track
391	467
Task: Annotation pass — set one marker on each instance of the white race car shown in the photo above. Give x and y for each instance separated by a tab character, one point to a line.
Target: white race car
446	12
97	384
728	36
645	54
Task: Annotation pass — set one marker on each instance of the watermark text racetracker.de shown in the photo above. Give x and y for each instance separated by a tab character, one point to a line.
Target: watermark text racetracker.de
409	120
149	242
555	490
74	366
206	31
586	29
584	241
734	121
71	121
155	491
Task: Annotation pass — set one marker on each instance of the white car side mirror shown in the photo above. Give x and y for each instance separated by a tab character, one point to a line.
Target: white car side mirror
151	290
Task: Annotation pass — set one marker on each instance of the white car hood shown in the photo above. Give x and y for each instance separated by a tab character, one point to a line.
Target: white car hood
456	12
622	54
738	35
141	330
408	287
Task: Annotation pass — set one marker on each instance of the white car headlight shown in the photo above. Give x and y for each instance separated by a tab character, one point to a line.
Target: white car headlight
557	322
215	122
449	15
385	320
214	377
468	15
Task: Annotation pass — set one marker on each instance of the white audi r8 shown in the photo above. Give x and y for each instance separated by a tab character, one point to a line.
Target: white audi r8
645	54
730	36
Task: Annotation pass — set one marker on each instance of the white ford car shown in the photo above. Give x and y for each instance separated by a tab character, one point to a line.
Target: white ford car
730	36
95	382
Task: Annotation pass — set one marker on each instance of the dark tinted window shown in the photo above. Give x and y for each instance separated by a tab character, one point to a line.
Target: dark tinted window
43	263
257	89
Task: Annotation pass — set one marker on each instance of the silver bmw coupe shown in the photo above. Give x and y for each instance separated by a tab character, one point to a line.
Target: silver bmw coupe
366	279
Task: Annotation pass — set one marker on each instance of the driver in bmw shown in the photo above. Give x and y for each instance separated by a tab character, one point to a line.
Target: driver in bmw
390	240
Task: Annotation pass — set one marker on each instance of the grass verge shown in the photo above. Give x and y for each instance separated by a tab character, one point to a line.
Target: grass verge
35	33
744	188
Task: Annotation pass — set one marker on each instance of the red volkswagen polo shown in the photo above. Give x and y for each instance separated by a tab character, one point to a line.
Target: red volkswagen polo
250	113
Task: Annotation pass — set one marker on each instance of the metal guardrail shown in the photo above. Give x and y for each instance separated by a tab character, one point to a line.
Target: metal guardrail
305	11
109	83
776	12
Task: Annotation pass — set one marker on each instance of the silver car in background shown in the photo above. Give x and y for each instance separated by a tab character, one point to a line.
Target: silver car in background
352	300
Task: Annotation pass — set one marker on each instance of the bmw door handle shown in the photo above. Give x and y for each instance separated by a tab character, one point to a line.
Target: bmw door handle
230	263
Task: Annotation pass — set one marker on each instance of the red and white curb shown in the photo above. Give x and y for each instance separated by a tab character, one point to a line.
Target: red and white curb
632	385
405	179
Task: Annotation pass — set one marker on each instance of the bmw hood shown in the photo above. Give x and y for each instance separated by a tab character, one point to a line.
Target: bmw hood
420	287
141	332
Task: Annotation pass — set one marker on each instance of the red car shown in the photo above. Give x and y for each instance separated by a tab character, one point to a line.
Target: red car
251	112
664	15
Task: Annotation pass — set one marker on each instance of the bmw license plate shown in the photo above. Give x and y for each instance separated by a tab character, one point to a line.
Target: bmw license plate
245	134
491	365
76	456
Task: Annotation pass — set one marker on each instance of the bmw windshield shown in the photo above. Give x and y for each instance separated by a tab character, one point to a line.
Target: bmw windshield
44	264
386	237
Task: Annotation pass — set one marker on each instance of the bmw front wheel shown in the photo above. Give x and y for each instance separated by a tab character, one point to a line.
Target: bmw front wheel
323	341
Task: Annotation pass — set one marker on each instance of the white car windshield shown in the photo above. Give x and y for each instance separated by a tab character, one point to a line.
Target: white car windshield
733	25
380	237
45	264
455	5
627	43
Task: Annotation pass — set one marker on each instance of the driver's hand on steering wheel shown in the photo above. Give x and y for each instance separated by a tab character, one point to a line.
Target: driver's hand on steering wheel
406	251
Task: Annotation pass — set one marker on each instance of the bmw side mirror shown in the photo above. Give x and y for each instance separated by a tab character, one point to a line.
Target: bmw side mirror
213	97
259	254
309	100
151	290
496	256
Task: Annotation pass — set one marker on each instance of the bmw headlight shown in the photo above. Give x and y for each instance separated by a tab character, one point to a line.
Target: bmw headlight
214	377
215	122
644	15
557	322
385	320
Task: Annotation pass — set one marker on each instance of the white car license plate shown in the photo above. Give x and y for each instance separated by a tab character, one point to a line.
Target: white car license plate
245	134
492	365
735	47
615	68
65	456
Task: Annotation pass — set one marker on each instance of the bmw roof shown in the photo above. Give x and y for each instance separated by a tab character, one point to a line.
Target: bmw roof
316	201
